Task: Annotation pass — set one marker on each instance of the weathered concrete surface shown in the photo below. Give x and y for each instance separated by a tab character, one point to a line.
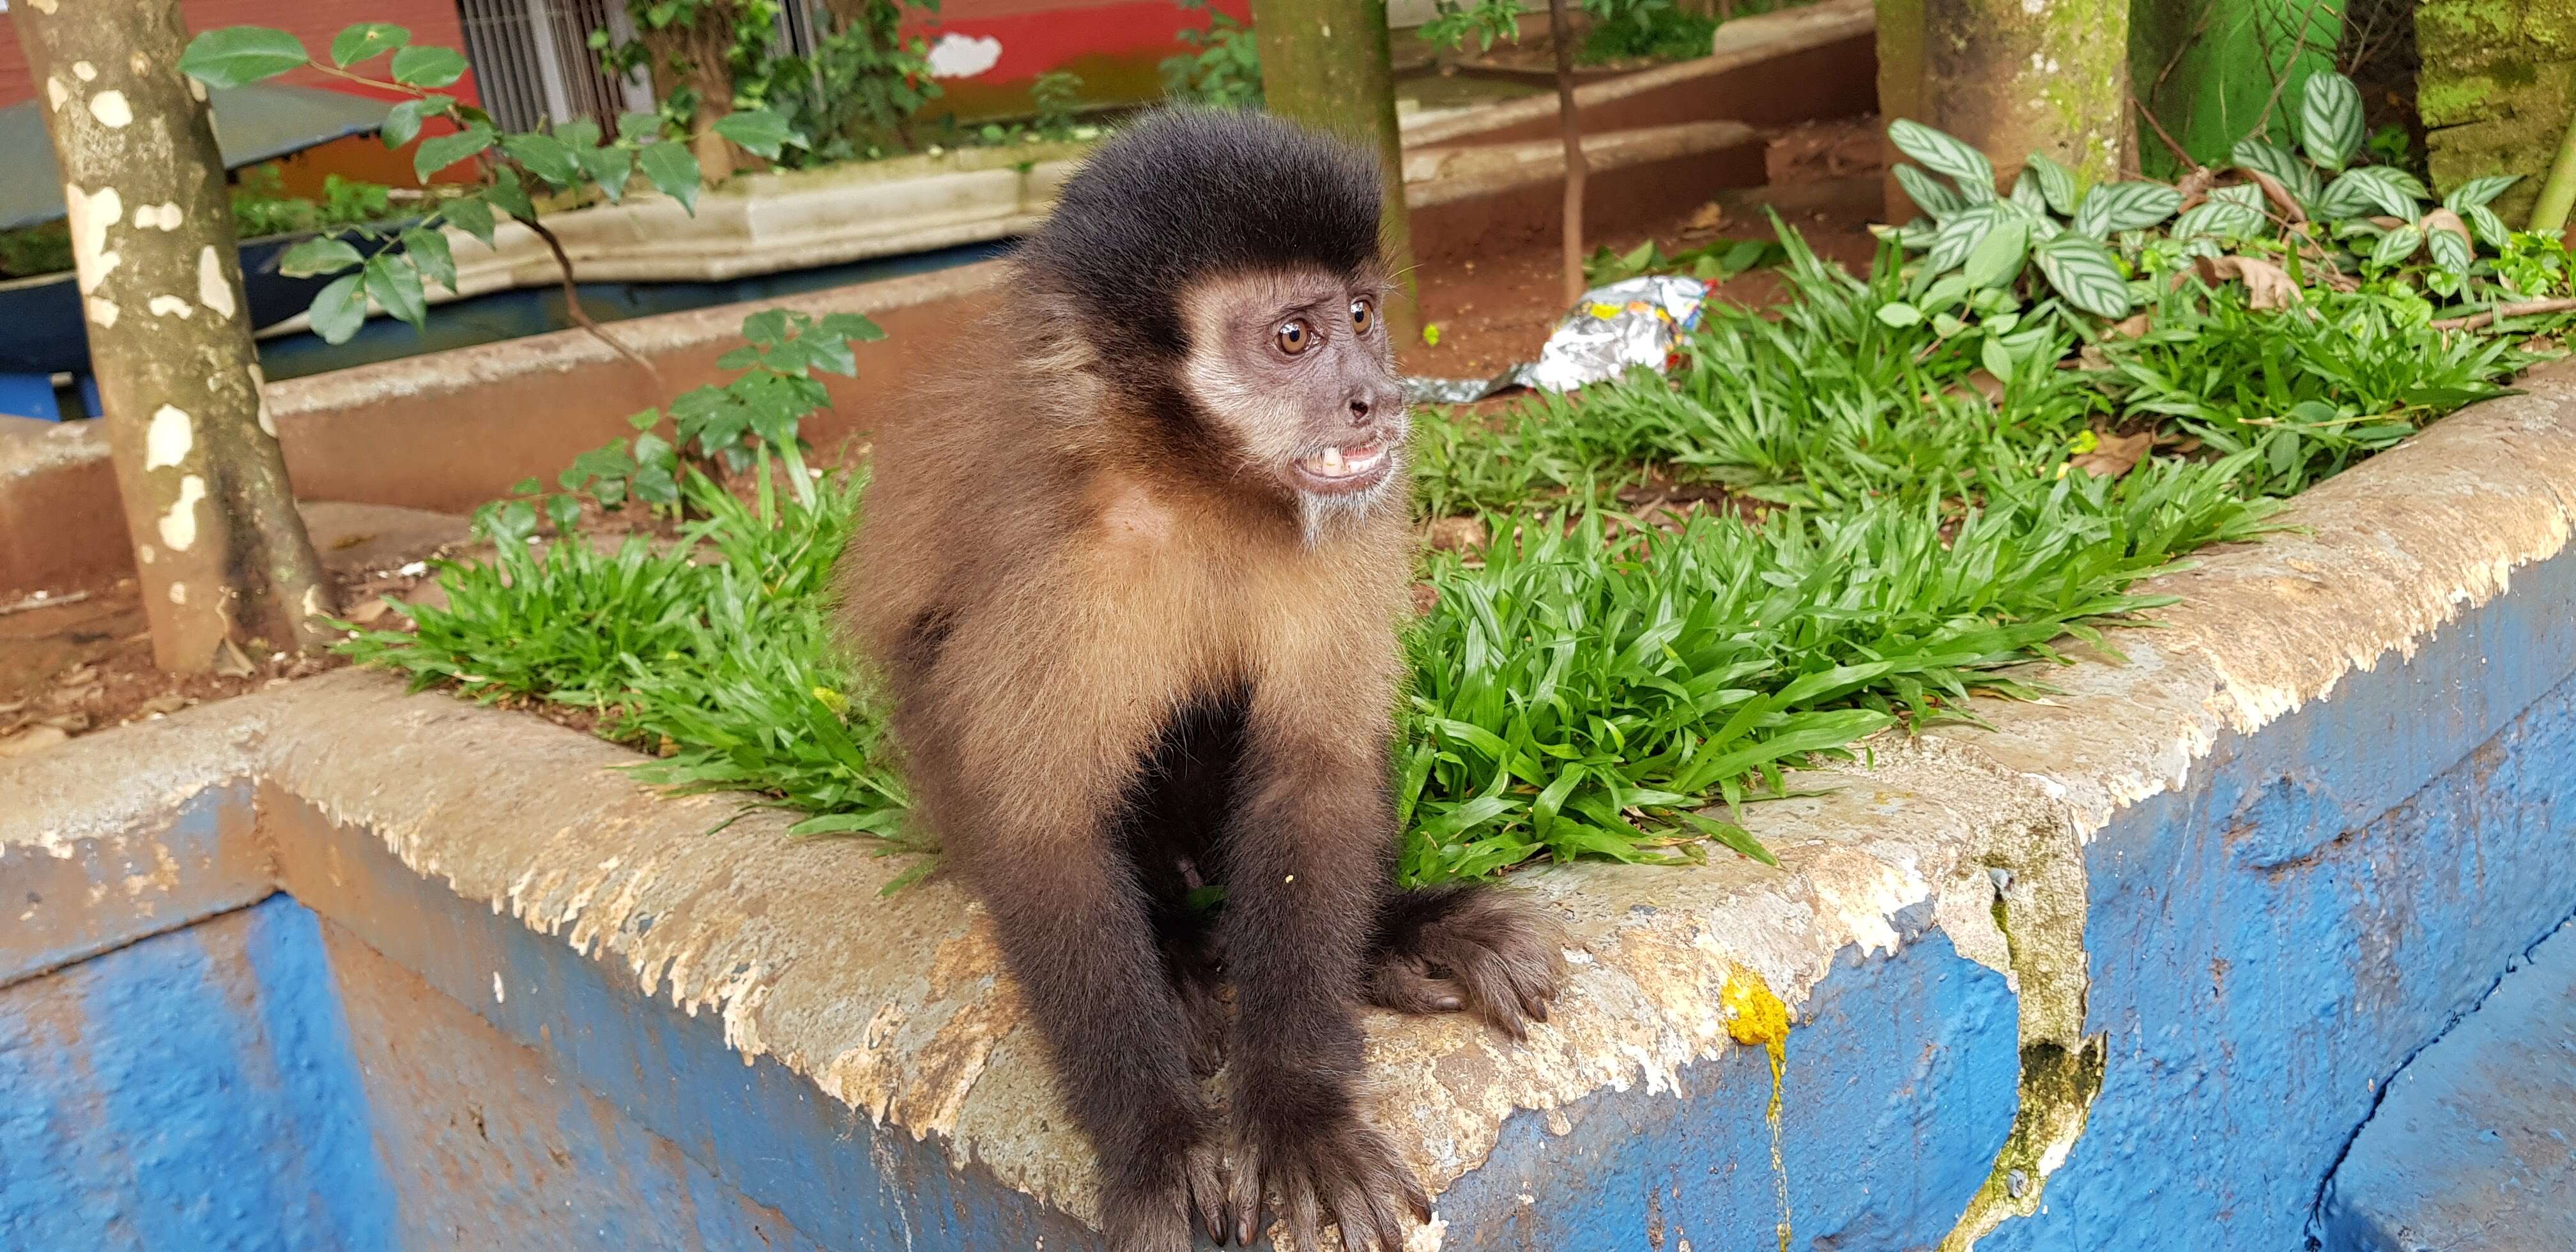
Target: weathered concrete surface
2473	1146
2230	885
2496	89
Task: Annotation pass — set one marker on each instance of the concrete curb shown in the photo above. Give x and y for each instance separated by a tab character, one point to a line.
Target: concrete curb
1988	843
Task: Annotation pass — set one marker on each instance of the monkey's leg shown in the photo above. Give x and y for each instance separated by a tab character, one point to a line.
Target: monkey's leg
1083	952
1467	947
1306	862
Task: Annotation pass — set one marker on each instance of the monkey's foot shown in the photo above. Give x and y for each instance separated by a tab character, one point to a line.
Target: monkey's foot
1158	1205
1201	991
1466	948
1339	1172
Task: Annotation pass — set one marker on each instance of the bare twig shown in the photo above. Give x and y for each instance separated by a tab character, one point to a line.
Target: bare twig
2291	213
2521	309
572	298
2159	127
2281	77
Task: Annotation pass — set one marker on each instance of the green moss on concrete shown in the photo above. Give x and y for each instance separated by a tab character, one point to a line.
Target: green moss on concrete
2497	89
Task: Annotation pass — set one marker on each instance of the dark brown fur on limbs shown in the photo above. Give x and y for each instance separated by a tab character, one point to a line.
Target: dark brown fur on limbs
1133	579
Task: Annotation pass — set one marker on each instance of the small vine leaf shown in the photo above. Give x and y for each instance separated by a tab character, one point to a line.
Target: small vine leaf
440	151
673	169
546	157
471	215
507	195
2085	274
429	251
339	309
2479	192
315	257
2330	125
610	168
1928	193
402	122
236	55
395	283
2056	183
1997	360
1960	236
2397	245
1898	313
759	131
428	66
365	41
1943	154
635	128
1997	258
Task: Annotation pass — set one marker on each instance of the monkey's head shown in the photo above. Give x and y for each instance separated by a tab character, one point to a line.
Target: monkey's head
1223	268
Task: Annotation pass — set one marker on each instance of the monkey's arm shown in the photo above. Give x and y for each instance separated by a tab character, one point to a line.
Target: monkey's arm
1307	859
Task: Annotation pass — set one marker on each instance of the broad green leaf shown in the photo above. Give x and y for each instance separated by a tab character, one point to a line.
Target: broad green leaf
2450	249
2379	187
429	251
365	40
318	256
425	65
857	327
673	169
507	195
2295	176
1942	154
437	153
2085	274
239	55
767	327
2113	207
1997	360
402	122
1900	314
2056	183
2397	245
1960	236
1997	258
471	215
395	284
545	156
2345	197
2026	194
2489	227
610	168
579	133
2330	125
634	128
2245	194
2478	192
339	309
759	131
1929	194
2223	219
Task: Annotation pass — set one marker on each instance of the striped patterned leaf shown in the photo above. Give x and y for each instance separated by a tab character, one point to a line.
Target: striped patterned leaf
1944	155
1960	236
1928	193
2285	168
2397	245
2124	206
2224	219
2056	182
2330	119
2479	192
2084	273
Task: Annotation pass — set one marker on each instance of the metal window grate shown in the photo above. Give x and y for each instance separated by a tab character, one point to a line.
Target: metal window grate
533	63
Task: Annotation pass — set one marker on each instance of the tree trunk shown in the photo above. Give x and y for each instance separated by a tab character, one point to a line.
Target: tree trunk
1326	64
695	57
221	553
1900	92
2014	77
1569	127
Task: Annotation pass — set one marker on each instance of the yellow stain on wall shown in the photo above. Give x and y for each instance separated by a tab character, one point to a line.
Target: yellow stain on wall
1755	1015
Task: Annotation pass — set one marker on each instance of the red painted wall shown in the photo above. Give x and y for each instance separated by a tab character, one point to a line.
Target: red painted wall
313	21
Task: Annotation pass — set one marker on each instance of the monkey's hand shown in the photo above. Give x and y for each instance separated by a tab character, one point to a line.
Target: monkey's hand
1323	1164
1152	1205
1485	950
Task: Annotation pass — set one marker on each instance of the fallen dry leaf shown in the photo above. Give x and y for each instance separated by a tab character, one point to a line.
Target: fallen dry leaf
1425	598
2267	286
231	661
367	611
2444	219
31	740
2117	454
1710	217
2133	326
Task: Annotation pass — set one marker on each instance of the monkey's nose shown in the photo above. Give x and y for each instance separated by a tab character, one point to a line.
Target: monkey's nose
1360	410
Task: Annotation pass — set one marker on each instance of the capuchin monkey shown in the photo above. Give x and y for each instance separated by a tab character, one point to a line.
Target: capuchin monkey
1132	578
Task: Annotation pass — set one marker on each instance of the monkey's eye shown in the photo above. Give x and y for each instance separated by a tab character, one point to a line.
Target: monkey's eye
1295	336
1363	314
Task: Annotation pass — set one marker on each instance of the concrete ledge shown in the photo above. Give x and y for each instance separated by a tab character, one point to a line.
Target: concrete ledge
2126	969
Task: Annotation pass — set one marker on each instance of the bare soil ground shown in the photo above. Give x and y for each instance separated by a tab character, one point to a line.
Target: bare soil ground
83	661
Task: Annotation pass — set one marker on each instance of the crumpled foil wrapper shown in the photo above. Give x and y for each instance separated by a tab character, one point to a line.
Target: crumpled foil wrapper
1632	322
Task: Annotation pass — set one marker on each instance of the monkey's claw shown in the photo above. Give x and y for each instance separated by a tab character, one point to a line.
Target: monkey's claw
1344	1175
1158	1215
1485	950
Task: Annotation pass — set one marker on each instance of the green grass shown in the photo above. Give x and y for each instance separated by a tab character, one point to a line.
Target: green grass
1588	686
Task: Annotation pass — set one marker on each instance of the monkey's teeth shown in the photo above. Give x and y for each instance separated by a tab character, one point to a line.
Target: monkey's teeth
1333	461
1343	462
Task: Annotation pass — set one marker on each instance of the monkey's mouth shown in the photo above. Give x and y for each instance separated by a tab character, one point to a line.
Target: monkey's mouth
1336	470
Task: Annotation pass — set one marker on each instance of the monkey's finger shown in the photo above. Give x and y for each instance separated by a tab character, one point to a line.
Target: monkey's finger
1303	1220
1207	1196
1415	1196
1359	1229
1243	1204
1408	990
1381	1216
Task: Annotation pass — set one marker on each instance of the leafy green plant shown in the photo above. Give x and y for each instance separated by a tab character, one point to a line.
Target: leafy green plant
45	248
855	95
262	207
393	267
1710	262
1653	29
1225	71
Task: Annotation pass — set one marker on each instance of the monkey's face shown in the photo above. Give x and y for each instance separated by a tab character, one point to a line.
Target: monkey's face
1296	369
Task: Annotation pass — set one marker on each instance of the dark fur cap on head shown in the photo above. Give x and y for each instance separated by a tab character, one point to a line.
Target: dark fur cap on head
1194	193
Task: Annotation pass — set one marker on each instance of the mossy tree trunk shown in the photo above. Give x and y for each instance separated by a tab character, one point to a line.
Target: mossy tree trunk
2496	91
1327	64
225	566
2013	77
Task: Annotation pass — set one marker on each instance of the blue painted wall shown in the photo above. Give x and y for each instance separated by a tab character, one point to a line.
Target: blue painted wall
192	1090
